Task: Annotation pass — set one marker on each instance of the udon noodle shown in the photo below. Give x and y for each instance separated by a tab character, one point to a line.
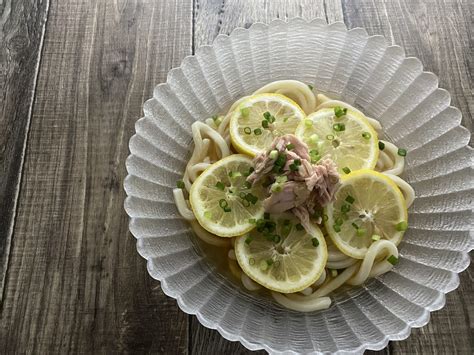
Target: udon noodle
212	143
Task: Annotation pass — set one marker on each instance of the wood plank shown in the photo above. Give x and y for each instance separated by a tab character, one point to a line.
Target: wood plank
76	283
22	26
440	35
215	17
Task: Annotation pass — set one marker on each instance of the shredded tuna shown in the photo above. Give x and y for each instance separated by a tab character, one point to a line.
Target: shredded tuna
306	190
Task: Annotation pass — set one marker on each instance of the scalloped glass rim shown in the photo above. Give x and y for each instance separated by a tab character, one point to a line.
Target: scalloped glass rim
410	105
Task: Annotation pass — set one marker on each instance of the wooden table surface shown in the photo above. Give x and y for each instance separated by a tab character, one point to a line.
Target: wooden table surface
73	77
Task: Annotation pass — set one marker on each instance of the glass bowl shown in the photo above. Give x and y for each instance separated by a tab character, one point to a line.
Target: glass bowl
344	64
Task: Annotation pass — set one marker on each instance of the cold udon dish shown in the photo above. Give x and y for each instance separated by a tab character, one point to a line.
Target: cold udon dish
298	192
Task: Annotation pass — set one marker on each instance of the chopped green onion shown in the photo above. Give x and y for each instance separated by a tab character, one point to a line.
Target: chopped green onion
252	220
267	115
273	154
246	203
345	208
266	215
339	221
308	122
247	184
294	167
325	217
299	227
276	238
355	225
402	226
245	111
361	232
227	209
297	162
315	242
281	179
336	228
263	265
402	152
214	118
381	145
286	229
234	174
290	146
251	261
247	130
260	222
314	138
242	195
223	203
285	119
220	185
339	111
330	137
265	124
272	119
257	131
251	198
346	170
392	259
269	262
339	127
276	187
366	135
247	173
376	237
248	240
333	272
208	214
180	184
350	199
218	121
310	87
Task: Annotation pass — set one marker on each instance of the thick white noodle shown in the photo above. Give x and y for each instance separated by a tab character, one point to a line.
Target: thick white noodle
399	161
307	291
248	283
335	283
212	134
405	188
295	90
321	279
341	264
231	254
328	103
308	305
182	205
196	169
386	160
209	238
378	249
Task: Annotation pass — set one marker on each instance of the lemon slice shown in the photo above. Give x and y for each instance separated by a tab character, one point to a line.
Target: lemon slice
349	140
222	200
283	258
261	118
368	206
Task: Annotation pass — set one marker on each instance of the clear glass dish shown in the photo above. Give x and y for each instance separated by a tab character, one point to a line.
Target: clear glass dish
349	65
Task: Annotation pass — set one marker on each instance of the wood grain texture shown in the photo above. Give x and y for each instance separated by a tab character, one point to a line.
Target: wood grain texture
440	34
75	282
21	33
